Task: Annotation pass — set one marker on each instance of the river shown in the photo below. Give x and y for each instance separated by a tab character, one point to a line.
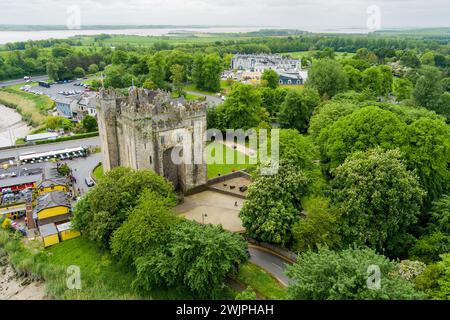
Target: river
11	127
15	36
13	287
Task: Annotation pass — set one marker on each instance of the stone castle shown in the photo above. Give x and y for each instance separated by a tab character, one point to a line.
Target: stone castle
150	130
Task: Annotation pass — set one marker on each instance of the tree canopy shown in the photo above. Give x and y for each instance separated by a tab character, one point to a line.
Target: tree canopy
344	275
378	200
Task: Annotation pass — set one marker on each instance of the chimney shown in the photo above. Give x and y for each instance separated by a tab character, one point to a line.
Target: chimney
29	211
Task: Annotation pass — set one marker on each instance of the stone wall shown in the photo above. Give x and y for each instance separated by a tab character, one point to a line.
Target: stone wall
137	130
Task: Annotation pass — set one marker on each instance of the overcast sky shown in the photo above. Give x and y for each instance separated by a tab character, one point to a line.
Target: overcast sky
302	14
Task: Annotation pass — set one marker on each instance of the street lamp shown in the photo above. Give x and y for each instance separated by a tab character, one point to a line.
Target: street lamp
204	215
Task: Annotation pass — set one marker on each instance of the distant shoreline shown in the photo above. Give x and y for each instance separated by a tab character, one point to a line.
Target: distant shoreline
7	27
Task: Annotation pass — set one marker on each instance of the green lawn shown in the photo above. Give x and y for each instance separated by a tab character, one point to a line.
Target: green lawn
192	87
301	54
262	282
214	169
173	39
98	172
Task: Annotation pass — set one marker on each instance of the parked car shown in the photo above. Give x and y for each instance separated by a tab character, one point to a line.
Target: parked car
89	182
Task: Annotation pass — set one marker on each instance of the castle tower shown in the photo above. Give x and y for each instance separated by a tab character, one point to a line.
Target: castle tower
149	130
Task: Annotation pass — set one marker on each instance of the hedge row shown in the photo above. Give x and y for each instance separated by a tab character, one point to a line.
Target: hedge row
75	137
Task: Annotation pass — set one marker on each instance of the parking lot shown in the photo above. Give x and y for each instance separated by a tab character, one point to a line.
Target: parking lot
58	90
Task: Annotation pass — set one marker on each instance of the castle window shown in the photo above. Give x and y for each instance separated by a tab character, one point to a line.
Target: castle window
162	139
151	160
180	138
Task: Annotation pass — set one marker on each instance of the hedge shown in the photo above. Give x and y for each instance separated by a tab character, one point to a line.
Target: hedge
75	137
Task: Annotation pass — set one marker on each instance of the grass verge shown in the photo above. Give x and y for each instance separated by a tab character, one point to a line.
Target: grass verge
223	167
97	173
262	282
33	108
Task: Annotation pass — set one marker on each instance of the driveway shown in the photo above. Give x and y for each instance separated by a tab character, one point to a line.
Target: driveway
272	263
82	168
19	81
212	100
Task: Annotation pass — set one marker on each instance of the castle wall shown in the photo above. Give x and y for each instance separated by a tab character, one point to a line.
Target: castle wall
106	111
139	132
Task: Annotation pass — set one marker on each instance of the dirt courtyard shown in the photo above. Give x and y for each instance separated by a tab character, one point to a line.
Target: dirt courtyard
219	209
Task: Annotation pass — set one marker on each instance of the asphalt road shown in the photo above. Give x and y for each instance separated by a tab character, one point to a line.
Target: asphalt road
14	152
271	263
212	100
82	168
19	81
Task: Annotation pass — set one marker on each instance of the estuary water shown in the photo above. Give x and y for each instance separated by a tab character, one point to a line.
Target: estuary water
16	36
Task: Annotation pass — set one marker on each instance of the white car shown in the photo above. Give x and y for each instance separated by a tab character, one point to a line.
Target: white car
89	181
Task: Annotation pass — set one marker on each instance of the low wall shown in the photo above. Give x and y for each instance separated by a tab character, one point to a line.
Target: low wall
215	180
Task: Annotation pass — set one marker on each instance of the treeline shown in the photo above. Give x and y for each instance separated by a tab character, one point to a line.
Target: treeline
60	62
129	213
25	58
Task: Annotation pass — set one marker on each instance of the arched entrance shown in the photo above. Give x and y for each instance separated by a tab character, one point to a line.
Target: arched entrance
172	171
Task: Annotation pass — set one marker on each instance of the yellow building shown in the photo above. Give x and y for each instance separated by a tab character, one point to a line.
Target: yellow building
51	185
14	211
49	234
52	207
66	232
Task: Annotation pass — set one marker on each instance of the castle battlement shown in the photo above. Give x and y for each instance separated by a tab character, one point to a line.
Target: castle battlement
140	130
143	103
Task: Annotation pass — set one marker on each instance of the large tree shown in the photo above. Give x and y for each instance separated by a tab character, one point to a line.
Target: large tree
435	280
347	275
328	77
378	200
148	225
271	77
297	108
196	257
241	110
363	129
428	153
273	204
319	227
328	113
428	89
103	210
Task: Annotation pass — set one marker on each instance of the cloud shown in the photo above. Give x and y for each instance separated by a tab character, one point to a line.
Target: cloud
305	14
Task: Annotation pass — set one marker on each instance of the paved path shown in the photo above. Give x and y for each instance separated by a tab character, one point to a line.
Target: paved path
212	100
82	168
13	152
19	81
239	147
273	264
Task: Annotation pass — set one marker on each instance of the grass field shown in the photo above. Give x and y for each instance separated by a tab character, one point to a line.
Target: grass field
98	172
305	54
193	88
214	169
33	108
262	282
145	41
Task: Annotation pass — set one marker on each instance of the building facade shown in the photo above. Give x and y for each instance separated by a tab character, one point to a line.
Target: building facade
149	130
249	68
261	62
